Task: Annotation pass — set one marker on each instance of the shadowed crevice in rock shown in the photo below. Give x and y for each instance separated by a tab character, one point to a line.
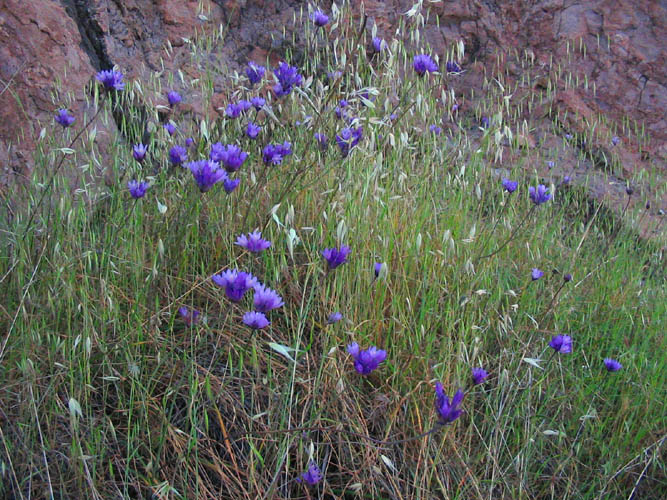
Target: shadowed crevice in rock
92	35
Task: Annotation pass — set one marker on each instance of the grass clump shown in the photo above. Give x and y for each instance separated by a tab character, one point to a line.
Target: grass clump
128	372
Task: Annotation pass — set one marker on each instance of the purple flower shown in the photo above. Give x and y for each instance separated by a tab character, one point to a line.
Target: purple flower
453	67
377	268
335	257
334	317
551	164
178	155
435	129
139	152
252	130
510	186
615	140
274	153
258	102
64	118
569	136
378	44
455	108
334	75
322	140
230	184
348	138
174	98
256	320
253	242
312	476
485	122
190	317
536	274
566	179
479	375
137	189
561	343
111	79
254	72
447	412
189	142
170	128
567	277
539	195
234	109
319	18
266	299
236	283
230	156
423	64
367	360
288	77
339	109
393	116
207	173
612	365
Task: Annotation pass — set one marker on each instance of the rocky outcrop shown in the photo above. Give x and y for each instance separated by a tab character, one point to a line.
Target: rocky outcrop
44	41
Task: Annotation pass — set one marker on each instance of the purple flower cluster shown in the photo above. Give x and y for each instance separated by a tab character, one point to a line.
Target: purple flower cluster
561	344
335	257
322	140
258	102
137	189
510	186
367	360
423	64
312	476
229	155
170	128
252	130
190	317
255	320
539	195
254	72
139	152
64	118
378	44
348	138
207	173
288	77
447	412
174	98
253	242
612	365
453	67
111	79
235	109
319	18
178	155
236	283
266	299
536	274
274	153
479	375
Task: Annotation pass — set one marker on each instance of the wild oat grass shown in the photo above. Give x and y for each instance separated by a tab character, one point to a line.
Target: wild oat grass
107	392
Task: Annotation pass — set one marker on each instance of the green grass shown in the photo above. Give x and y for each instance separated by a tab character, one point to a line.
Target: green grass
106	393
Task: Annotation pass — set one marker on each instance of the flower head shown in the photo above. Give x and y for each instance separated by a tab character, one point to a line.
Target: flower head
536	274
435	129
288	77
479	375
615	140
137	189
236	283
447	412
230	185
254	72
256	320
567	179
423	64
335	257
111	79
252	130
234	109
258	102
367	360
178	155
230	156
510	186
319	18
64	118
348	138
174	98
453	67
190	317
322	140
312	476
189	142
567	277
253	242
377	268
274	153
207	173
139	152
334	317
170	128
612	365
551	164
485	122
266	299
378	44
539	195
561	343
